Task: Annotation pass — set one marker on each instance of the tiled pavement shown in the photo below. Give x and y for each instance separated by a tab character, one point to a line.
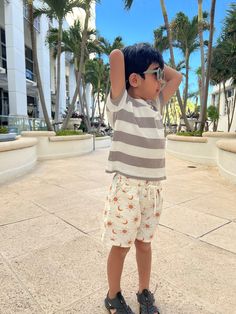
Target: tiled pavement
52	260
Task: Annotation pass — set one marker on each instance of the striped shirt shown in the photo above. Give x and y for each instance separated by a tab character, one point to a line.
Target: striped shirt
138	144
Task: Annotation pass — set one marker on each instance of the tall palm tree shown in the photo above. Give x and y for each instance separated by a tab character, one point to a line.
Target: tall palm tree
209	58
57	10
200	32
128	4
72	39
86	5
36	66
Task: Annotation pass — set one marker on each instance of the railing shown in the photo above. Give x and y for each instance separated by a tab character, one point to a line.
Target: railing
3	63
16	124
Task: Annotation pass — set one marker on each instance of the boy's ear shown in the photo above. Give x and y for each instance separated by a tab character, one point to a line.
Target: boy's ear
134	80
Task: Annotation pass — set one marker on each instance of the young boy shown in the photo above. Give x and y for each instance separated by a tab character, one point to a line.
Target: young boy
140	83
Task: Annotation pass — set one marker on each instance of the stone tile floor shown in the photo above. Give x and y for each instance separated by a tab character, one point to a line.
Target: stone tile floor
52	260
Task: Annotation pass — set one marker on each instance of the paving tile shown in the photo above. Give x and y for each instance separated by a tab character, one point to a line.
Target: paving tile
204	272
16	209
189	221
14	298
223	237
215	205
34	234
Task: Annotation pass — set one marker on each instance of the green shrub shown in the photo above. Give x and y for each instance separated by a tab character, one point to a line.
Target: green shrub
193	133
68	132
3	130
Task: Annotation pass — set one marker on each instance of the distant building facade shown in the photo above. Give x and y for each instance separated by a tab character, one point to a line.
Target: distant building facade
218	100
18	87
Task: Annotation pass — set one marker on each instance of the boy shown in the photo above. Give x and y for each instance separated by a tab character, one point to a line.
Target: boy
139	83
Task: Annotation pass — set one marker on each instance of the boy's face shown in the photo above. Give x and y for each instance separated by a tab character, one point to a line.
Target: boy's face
150	87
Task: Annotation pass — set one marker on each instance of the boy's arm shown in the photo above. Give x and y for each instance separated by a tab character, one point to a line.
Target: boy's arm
117	73
173	80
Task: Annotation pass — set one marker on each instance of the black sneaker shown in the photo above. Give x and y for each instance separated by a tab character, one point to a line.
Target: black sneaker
118	304
147	302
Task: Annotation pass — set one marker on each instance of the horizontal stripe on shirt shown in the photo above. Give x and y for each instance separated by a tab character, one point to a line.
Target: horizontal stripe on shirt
143	122
138	151
136	161
136	172
157	143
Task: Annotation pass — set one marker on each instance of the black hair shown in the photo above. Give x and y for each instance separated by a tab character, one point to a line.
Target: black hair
138	58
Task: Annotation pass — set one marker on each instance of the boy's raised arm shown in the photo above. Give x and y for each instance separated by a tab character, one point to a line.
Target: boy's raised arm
117	73
173	80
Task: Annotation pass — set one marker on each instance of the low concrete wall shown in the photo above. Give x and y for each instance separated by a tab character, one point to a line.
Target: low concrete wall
197	149
226	158
102	142
17	157
52	147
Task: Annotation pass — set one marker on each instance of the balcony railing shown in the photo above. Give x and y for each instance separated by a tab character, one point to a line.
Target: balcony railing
16	124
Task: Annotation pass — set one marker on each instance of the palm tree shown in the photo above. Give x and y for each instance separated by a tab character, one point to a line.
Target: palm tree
128	4
209	57
86	5
200	32
36	66
185	34
58	10
72	39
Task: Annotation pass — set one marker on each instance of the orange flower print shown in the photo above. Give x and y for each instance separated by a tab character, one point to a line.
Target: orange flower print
130	242
109	223
124	231
147	226
113	231
151	236
130	206
125	222
115	199
136	219
157	214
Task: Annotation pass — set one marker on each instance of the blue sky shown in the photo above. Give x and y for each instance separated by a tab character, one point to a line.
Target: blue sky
137	24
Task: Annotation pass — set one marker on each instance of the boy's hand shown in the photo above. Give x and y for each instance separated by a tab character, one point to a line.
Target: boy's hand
173	80
117	73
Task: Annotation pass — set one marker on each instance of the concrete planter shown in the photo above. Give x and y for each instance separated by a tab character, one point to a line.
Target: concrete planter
73	122
7	137
17	157
52	147
226	158
102	142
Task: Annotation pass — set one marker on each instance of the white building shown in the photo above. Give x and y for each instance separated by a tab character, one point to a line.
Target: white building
18	88
218	99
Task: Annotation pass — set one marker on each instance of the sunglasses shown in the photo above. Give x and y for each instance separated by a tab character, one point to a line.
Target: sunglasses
160	75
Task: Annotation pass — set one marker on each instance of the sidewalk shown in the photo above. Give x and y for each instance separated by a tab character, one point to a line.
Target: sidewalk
52	260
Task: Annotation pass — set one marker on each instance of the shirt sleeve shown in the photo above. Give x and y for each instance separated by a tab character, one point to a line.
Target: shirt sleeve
114	105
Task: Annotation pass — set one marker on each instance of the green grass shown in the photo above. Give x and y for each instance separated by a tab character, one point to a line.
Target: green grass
193	133
3	130
69	132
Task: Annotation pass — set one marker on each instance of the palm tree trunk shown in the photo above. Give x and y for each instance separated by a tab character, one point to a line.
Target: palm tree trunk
81	65
186	79
58	71
200	31
36	67
173	63
209	57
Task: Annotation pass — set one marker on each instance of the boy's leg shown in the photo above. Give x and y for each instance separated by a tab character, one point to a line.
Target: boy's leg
115	264
144	261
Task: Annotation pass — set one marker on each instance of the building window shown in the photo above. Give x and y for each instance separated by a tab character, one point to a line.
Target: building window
32	108
29	64
3	51
26	16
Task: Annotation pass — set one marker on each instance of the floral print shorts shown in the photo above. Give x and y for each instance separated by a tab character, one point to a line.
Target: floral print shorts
132	211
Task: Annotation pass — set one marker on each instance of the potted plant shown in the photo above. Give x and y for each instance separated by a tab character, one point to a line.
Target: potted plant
75	120
5	136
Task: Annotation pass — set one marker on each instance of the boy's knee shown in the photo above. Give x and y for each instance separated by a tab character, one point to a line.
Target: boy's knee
122	251
142	246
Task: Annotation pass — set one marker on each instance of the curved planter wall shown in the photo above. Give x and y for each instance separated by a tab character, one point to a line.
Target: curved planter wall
102	142
226	160
17	157
52	147
197	149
